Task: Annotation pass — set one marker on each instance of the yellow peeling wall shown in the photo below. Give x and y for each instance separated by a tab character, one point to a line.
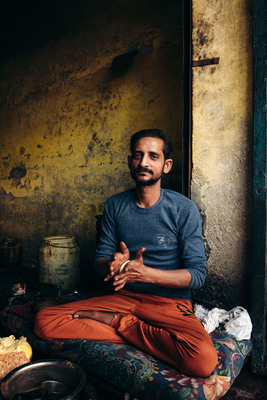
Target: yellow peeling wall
66	118
222	137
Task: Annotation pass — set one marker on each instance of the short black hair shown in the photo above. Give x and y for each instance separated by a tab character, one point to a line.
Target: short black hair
155	133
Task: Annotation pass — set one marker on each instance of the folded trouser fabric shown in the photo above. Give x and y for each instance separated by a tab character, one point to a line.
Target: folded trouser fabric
165	328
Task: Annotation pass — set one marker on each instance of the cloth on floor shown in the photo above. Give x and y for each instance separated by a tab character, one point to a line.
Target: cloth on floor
236	322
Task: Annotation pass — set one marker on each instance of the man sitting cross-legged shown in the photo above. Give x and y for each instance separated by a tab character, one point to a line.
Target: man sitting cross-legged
151	249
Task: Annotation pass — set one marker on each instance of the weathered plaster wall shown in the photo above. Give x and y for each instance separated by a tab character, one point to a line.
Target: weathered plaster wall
222	135
66	118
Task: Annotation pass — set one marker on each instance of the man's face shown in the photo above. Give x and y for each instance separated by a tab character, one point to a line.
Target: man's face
147	162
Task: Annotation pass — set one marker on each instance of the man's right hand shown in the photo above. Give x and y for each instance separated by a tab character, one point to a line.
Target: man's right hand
118	259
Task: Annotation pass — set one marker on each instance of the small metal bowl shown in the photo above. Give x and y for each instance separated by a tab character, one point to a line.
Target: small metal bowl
53	390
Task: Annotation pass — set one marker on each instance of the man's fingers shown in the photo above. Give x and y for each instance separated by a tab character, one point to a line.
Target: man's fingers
119	284
123	247
139	253
119	287
108	277
111	272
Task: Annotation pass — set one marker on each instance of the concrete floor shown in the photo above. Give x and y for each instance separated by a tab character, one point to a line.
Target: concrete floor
248	386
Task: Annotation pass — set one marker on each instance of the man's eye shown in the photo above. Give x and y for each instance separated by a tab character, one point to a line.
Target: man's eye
136	155
154	157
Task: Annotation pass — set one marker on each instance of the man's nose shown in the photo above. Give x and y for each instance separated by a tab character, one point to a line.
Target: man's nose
144	161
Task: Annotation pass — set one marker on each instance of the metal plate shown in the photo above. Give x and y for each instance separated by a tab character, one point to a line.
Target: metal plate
30	376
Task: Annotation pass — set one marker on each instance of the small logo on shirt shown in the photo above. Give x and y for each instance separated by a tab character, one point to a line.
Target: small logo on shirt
161	240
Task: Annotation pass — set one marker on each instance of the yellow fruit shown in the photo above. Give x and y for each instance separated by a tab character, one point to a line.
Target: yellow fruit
10	344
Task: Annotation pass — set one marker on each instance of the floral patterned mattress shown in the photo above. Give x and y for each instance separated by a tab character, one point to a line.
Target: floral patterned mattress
125	370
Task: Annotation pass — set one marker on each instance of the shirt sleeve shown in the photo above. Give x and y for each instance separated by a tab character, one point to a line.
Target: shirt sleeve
108	243
191	242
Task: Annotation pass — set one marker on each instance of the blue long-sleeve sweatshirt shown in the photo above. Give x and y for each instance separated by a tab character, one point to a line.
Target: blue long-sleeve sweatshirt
170	230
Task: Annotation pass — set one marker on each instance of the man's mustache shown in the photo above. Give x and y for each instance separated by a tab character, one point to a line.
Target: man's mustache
140	169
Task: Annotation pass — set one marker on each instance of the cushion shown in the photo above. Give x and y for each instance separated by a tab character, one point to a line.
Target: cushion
124	369
147	378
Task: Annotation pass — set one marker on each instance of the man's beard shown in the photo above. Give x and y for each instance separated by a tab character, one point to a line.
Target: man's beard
139	182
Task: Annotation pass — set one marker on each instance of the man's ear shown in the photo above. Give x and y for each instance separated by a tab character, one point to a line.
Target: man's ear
167	165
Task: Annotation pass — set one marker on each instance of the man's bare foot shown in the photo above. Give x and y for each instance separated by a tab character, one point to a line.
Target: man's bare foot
101	316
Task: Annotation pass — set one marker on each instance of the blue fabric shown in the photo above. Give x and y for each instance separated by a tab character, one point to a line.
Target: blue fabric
170	230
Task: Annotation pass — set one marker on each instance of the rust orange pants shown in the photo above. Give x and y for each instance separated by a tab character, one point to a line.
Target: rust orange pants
165	328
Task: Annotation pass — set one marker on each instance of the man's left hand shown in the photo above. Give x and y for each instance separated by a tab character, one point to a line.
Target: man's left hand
134	271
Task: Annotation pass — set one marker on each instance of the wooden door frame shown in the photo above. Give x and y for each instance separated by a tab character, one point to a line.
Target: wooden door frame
187	98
